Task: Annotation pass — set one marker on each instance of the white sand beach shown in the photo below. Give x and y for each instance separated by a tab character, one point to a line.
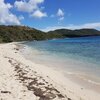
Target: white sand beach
22	79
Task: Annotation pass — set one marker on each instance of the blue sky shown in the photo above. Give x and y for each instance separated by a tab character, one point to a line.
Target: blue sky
51	14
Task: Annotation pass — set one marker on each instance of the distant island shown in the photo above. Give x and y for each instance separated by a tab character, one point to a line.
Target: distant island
23	33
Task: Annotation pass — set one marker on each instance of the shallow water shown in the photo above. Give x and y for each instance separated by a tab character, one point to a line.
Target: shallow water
75	57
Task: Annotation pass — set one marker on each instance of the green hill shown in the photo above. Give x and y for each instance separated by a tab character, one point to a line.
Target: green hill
20	33
24	33
76	33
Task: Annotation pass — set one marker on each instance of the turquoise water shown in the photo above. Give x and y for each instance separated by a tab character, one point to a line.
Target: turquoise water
74	55
87	48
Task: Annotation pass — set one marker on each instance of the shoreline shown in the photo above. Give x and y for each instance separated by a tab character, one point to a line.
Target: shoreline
22	79
88	80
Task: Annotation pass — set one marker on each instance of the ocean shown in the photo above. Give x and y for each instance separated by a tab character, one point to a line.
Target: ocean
76	58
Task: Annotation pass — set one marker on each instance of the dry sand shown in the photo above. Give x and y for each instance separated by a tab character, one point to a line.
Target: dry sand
21	79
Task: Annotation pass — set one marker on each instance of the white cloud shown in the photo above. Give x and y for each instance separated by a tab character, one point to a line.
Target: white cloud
6	17
60	13
72	26
27	5
87	25
31	7
21	17
39	14
61	18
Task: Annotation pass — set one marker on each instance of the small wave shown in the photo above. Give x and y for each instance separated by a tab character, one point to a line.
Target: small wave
86	78
83	77
93	82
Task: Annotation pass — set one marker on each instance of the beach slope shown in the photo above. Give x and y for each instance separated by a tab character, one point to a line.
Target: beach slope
21	79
